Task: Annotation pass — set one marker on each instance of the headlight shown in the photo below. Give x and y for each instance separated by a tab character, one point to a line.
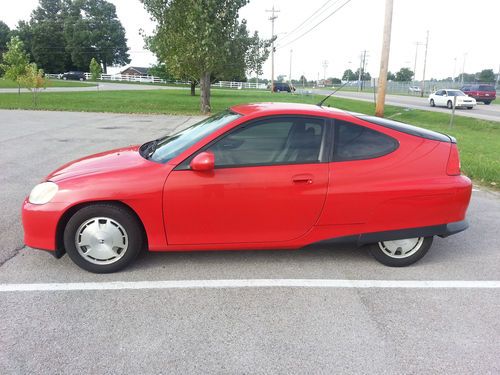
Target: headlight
43	193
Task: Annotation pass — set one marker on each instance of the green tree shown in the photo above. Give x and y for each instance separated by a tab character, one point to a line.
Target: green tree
4	39
95	69
200	40
486	75
47	36
33	79
365	76
4	36
161	71
390	76
404	75
257	54
15	61
92	29
349	75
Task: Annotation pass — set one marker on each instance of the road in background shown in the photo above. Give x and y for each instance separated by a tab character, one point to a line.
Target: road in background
481	111
232	331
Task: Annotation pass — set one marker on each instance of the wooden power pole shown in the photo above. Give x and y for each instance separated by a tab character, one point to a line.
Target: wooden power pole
384	60
272	18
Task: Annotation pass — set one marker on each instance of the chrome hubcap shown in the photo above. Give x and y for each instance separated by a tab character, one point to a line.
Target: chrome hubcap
101	240
401	248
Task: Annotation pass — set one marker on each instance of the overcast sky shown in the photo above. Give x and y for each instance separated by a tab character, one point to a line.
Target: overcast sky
454	32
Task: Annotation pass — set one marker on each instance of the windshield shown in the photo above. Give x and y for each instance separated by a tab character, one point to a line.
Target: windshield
456	93
171	146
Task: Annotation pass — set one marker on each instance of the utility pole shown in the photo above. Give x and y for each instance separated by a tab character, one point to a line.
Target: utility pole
463	69
498	76
384	60
325	66
454	70
425	63
290	75
415	65
361	70
272	18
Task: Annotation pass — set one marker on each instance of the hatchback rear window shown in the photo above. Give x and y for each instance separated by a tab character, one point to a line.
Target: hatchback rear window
355	142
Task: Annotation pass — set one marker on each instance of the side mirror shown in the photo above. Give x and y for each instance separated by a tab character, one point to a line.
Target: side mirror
204	161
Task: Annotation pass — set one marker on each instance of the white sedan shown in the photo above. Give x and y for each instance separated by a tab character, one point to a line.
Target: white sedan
446	98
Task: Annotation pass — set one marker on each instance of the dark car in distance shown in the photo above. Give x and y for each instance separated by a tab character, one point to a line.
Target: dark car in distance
481	92
72	75
283	86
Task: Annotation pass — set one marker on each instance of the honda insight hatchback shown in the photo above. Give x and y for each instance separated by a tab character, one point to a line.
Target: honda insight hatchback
256	176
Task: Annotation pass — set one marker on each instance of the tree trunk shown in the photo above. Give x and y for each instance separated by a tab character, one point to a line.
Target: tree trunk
205	93
193	88
104	67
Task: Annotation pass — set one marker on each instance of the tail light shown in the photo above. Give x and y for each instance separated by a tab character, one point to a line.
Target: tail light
453	166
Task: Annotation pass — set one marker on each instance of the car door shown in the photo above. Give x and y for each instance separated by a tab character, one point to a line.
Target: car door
440	98
269	184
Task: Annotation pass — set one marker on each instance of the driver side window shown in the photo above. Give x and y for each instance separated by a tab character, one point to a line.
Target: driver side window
271	142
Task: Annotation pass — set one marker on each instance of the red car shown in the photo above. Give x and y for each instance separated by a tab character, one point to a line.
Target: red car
256	176
480	92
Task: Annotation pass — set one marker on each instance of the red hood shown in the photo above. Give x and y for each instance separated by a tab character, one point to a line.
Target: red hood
114	160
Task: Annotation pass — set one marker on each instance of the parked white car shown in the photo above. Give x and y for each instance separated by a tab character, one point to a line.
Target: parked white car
445	98
414	89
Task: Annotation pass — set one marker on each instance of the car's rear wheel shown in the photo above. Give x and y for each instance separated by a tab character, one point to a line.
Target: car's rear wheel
401	253
487	102
81	79
469	107
103	238
449	104
432	103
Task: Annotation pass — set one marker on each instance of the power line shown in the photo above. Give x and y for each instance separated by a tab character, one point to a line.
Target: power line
311	16
319	23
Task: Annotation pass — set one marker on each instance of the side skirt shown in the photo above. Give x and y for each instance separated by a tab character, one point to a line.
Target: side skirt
442	230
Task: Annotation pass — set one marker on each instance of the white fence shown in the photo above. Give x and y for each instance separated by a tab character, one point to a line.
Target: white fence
240	85
153	79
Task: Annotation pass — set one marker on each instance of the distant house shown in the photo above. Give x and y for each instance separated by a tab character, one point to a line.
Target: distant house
136	71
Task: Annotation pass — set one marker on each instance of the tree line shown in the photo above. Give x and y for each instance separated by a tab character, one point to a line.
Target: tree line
63	35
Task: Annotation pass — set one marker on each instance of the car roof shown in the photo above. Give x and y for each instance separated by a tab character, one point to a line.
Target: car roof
285	108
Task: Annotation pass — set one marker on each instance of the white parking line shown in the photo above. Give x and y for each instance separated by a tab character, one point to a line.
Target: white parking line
251	283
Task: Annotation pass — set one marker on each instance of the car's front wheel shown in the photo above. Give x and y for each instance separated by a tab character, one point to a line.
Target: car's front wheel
103	238
401	253
432	103
487	102
449	104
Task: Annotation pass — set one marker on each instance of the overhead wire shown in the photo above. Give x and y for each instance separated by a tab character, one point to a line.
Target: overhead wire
316	25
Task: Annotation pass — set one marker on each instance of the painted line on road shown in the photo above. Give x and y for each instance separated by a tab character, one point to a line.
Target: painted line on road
251	283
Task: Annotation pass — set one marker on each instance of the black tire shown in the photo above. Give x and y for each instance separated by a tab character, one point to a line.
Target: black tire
120	215
469	107
432	103
384	258
449	105
81	79
487	102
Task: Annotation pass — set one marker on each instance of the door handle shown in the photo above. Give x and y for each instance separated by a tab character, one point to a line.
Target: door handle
303	179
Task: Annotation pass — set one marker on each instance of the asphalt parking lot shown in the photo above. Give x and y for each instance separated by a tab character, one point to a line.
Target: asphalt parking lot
184	313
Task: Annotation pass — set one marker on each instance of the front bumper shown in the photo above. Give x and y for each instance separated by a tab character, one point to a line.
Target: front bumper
40	224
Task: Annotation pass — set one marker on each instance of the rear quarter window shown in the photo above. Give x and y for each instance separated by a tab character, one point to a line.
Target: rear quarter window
356	142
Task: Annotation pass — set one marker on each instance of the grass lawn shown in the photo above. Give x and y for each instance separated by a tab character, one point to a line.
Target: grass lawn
6	84
478	140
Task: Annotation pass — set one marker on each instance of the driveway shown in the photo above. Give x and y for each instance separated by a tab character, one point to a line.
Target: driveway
324	311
